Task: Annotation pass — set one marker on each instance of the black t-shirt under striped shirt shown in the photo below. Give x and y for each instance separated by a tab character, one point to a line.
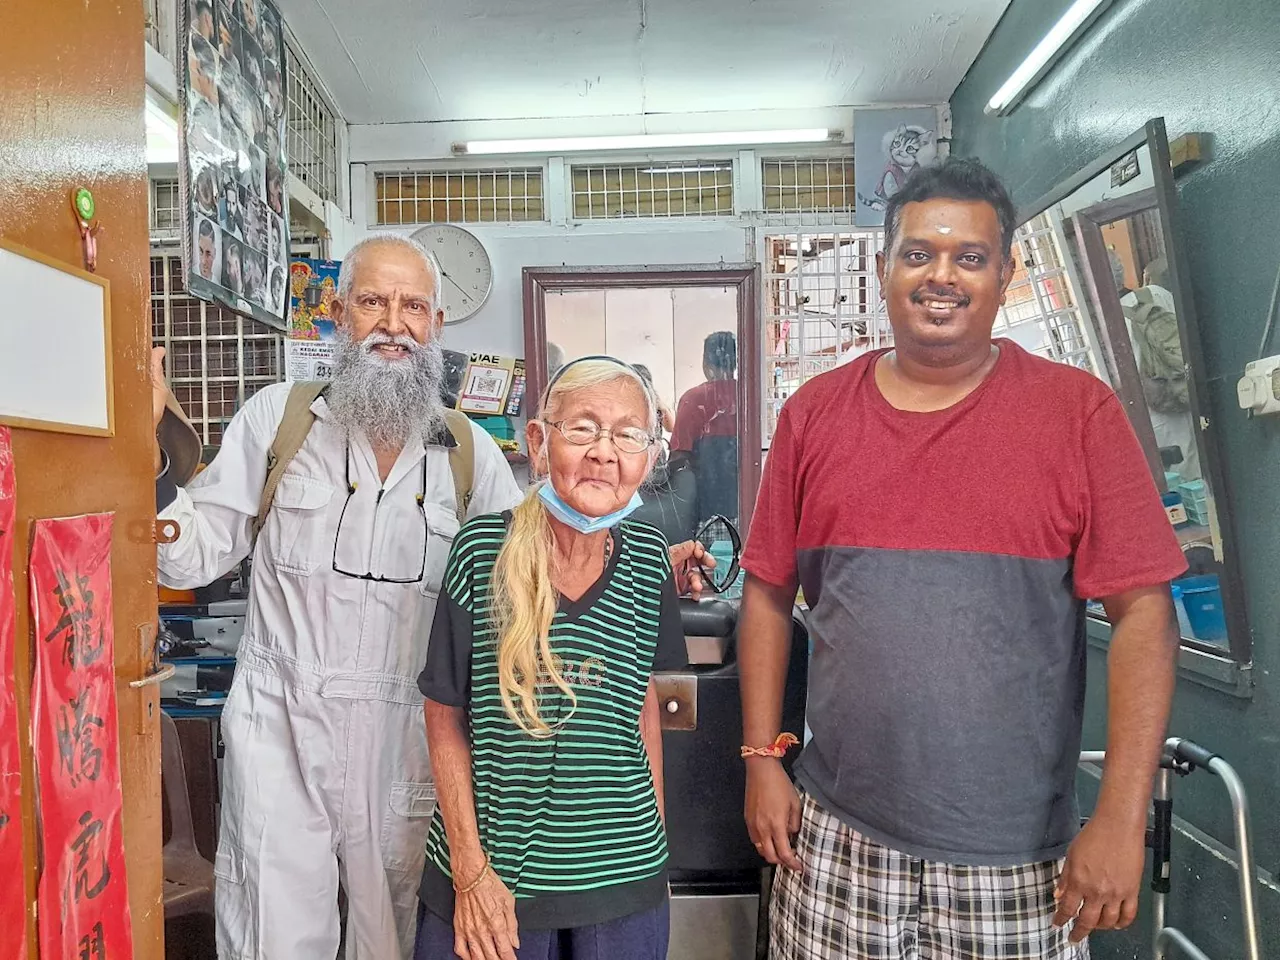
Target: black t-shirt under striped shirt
570	822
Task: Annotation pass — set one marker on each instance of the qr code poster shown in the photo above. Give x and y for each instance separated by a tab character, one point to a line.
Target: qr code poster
486	384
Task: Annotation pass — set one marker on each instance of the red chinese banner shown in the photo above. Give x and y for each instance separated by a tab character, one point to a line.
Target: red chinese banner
13	908
83	897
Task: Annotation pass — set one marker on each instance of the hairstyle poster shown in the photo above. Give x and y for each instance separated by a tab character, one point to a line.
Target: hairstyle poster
232	169
308	350
888	146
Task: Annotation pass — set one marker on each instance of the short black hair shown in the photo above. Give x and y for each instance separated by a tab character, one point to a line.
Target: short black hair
206	229
956	178
720	351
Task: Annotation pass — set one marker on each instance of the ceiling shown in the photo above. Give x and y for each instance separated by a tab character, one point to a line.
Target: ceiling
396	61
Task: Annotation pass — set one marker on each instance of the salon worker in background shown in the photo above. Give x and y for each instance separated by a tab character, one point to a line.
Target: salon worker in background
548	841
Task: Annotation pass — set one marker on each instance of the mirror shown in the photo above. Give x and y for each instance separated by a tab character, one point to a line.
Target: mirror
1102	276
694	336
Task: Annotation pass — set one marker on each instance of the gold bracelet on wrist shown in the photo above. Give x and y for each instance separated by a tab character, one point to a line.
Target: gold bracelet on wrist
476	882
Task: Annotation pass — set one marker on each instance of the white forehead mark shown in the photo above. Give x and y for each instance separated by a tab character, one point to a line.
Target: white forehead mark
943	230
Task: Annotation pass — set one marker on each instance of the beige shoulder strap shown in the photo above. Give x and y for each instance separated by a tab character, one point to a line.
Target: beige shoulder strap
290	435
462	459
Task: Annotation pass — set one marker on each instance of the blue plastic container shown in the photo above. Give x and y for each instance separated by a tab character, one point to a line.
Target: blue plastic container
1202	598
1184	624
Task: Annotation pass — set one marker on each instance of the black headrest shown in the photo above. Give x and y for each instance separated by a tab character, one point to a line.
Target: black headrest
709	618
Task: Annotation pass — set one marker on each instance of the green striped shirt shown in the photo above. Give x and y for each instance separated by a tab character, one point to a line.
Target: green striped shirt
570	822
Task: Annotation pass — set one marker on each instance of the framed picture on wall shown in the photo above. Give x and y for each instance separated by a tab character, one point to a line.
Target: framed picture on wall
232	171
888	146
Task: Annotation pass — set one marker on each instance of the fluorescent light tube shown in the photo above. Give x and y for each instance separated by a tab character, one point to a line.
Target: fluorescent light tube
645	141
162	134
1078	18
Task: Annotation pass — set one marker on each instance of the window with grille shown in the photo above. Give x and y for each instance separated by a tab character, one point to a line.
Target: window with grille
215	359
460	196
166	218
808	186
822	308
687	188
151	21
1041	311
312	138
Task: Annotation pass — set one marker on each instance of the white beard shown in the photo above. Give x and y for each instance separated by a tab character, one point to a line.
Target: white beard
388	400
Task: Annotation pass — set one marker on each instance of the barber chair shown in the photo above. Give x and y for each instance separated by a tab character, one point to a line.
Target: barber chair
188	876
717	877
671	504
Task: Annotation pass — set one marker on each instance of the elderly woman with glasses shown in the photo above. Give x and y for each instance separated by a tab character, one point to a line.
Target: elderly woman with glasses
548	839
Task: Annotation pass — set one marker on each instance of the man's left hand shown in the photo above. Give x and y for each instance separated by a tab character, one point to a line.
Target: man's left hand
1101	878
687	561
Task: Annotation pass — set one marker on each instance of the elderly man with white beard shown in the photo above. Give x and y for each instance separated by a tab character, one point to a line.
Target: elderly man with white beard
326	780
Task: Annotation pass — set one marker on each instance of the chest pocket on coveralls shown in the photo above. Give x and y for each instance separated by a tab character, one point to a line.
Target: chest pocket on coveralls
296	525
442	527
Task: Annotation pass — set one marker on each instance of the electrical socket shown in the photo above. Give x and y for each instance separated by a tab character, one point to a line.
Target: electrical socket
1259	389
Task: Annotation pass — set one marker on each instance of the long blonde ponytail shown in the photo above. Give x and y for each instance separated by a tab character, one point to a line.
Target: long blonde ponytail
524	606
523	593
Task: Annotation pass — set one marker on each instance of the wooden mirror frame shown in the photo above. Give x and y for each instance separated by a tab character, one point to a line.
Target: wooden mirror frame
745	277
1089	223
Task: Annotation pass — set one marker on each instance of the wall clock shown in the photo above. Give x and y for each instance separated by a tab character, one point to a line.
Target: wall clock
468	274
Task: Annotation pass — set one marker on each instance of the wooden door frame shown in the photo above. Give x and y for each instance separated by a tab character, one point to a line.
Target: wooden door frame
744	277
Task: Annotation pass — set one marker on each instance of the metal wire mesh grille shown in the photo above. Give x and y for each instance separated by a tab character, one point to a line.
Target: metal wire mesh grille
822	306
312	139
684	188
215	359
808	185
1041	310
460	196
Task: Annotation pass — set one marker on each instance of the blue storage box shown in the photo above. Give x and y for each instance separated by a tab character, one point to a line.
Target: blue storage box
1202	599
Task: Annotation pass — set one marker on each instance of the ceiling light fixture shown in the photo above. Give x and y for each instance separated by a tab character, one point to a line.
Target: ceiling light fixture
712	168
646	141
1078	18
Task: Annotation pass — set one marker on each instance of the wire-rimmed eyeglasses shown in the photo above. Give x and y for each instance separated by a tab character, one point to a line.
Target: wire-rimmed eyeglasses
583	431
422	509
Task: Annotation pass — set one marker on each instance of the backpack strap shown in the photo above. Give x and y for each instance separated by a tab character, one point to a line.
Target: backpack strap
290	435
462	460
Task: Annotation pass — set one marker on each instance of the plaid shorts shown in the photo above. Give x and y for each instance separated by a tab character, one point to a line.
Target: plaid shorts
858	899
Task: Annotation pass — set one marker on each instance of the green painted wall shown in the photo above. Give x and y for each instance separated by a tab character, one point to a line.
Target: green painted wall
1210	66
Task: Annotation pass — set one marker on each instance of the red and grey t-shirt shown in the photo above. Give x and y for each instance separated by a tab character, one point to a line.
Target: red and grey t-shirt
945	557
708	410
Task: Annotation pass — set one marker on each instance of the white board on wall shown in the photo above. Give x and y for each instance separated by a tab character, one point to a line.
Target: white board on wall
55	345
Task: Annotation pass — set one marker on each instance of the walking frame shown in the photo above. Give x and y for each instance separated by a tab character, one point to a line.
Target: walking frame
1183	757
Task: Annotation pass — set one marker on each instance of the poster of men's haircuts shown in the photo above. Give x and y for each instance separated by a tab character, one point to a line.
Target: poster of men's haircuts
888	146
236	234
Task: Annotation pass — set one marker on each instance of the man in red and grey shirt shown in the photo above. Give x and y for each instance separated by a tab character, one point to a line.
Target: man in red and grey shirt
706	429
947	506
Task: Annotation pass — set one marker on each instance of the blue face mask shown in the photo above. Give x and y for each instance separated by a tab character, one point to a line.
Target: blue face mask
580	521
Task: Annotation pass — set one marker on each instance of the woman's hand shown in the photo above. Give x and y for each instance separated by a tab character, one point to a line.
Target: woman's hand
687	561
484	921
